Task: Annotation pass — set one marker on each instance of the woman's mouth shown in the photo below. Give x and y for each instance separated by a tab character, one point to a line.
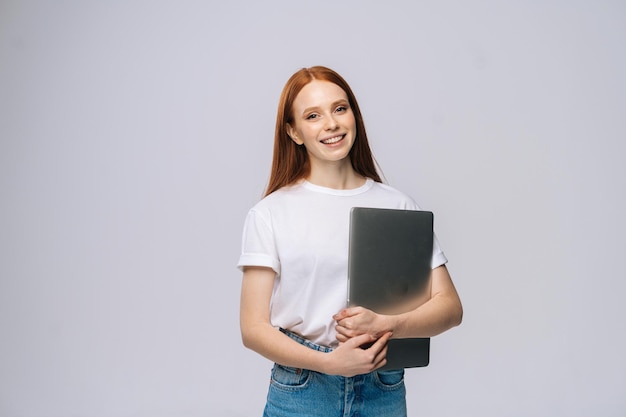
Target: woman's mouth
332	140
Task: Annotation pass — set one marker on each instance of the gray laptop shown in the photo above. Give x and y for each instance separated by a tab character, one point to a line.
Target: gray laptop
389	271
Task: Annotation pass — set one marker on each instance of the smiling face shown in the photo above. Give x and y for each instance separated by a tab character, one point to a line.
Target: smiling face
324	123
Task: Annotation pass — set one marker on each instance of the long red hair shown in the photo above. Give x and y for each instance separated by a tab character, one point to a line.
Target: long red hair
291	162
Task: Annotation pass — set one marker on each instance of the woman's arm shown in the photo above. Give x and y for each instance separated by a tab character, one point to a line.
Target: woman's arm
442	312
259	335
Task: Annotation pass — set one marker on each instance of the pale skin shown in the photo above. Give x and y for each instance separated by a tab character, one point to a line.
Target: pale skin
325	125
259	335
441	312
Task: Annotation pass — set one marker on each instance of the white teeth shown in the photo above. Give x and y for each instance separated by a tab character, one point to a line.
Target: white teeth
332	140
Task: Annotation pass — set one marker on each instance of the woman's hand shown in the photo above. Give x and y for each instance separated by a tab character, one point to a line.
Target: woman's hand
356	321
351	359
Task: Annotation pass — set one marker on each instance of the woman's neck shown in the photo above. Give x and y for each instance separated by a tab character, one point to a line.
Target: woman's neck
336	176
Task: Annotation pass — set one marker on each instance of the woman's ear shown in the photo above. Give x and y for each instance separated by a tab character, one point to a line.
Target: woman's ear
292	134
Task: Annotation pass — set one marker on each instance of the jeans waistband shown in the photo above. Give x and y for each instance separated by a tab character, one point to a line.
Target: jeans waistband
305	342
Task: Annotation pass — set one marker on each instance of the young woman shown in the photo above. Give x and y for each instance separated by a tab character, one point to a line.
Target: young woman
295	262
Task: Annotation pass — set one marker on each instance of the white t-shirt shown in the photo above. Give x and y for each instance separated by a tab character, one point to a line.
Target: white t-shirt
301	232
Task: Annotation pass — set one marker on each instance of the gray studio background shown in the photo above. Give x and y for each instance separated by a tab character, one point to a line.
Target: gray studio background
135	135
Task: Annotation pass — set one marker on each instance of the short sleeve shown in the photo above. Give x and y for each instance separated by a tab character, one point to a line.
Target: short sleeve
439	258
258	247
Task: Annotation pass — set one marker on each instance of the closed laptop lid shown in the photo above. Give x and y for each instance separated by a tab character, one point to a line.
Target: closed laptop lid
389	269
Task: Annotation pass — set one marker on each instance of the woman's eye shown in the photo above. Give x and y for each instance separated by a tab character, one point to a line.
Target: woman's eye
341	109
311	116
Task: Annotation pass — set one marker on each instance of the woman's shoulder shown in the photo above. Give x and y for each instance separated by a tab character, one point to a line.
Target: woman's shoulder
392	194
386	188
276	198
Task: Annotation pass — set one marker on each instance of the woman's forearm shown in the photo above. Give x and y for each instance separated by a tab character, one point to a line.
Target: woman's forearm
278	347
442	312
432	318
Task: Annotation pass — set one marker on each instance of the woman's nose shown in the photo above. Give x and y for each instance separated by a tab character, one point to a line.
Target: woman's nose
331	123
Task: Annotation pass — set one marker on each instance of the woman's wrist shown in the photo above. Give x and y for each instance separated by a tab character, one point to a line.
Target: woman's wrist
393	323
324	362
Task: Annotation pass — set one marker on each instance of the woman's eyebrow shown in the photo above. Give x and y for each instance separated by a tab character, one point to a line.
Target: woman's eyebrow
335	103
310	109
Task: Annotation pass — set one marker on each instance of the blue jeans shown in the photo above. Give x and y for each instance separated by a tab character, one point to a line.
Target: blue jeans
297	392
